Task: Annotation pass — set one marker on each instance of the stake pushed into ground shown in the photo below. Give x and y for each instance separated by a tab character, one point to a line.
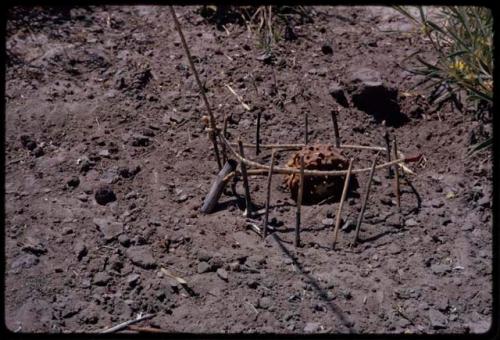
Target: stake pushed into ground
257	133
365	200
306	127
299	202
335	128
268	197
248	201
396	177
388	153
341	204
213	126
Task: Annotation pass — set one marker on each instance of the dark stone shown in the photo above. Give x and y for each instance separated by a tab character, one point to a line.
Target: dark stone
104	195
73	182
326	49
27	142
38	152
140	140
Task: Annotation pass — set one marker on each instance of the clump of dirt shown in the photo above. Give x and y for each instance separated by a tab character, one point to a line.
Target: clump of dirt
317	188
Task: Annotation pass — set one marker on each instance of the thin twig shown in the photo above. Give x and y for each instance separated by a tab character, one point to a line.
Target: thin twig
396	178
268	197
341	204
299	202
365	200
257	133
335	128
288	170
240	99
213	125
248	201
127	323
306	127
224	133
388	152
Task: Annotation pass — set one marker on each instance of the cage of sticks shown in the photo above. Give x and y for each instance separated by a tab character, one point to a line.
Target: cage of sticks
314	173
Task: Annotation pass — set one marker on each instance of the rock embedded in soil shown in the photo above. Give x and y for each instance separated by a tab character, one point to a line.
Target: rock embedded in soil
264	302
132	279
328	221
203	267
80	250
437	319
104	194
108	227
141	256
101	279
312	327
124	240
222	273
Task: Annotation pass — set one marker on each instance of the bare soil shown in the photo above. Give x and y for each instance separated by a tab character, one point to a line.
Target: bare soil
107	164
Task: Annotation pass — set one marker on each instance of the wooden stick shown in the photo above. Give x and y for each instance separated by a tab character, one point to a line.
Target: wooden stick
257	133
335	128
217	187
306	127
213	125
224	133
268	197
299	202
288	170
127	323
365	200
248	201
341	204
388	152
396	178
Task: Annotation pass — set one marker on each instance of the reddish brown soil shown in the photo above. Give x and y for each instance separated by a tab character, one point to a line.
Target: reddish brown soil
107	96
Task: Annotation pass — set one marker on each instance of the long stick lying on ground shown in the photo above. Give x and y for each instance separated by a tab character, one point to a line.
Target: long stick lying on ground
213	125
268	197
248	201
336	128
365	200
127	323
287	171
396	178
299	202
217	187
341	204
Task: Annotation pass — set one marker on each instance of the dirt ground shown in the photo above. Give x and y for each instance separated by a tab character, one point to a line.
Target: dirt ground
101	106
